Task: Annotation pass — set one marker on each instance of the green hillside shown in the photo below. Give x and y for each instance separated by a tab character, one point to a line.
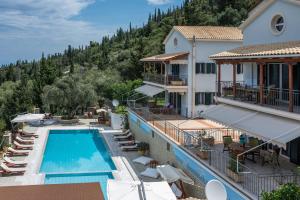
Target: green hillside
66	83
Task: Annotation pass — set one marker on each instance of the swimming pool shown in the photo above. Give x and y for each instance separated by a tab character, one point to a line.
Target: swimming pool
77	156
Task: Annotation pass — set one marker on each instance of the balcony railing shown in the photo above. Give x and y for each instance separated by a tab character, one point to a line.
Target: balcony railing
249	179
170	80
276	98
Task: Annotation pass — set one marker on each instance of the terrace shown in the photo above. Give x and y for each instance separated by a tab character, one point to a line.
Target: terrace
203	140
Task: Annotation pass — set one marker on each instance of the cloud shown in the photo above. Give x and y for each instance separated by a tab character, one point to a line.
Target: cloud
158	2
28	27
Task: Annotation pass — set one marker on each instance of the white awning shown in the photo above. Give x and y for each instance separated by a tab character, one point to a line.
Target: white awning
172	174
28	118
117	190
261	125
149	90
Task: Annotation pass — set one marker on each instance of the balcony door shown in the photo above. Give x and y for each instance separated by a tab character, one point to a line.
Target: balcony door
175	70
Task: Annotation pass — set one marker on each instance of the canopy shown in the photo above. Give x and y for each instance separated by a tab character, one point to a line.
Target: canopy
261	125
28	118
101	110
172	174
122	190
149	90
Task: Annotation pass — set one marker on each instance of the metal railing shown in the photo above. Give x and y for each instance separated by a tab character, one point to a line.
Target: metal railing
276	98
247	178
172	80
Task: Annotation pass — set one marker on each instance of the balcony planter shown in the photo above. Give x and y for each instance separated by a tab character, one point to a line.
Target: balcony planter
203	154
234	176
177	83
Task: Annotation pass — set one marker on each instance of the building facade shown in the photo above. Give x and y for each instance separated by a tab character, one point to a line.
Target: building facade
185	71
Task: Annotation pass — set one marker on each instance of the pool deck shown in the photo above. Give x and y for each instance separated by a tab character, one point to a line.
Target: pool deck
126	169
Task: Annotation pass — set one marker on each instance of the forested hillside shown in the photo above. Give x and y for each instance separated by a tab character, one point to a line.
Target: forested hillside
66	83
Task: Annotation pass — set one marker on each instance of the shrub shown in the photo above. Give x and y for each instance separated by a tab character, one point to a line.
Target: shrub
289	191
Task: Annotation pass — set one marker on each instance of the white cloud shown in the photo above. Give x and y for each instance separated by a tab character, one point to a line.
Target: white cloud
28	27
158	2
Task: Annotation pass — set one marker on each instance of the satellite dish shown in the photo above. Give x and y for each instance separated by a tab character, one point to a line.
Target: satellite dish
215	190
115	102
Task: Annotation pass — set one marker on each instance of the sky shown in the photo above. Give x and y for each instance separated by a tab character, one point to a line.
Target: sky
30	27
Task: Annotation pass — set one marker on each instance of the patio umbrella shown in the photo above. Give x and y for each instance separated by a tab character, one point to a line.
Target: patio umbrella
172	174
101	110
122	190
28	118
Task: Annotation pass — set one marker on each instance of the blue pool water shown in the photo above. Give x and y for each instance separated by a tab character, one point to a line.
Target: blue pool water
77	156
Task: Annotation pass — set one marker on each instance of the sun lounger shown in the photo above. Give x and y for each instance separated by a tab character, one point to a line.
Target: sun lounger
15	152
144	160
130	148
23	146
12	171
24	141
126	142
129	135
26	134
14	163
121	134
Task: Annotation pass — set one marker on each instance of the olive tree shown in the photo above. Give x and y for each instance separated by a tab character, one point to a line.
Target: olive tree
67	95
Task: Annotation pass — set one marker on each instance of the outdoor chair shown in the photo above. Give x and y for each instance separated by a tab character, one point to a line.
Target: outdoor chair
227	140
254	142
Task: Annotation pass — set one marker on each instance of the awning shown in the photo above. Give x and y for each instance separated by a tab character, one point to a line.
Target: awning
167	57
261	125
28	118
172	174
117	190
149	90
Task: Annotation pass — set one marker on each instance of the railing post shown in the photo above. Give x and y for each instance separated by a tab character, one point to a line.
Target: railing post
234	79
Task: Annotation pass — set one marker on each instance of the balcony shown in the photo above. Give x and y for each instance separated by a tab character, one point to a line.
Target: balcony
206	145
276	98
169	80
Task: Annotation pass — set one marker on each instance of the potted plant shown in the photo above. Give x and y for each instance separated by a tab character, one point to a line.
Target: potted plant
289	191
143	148
232	171
203	153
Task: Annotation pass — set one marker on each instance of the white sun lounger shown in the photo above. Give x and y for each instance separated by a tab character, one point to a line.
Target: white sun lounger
14	162
130	148
10	170
122	133
123	137
24	140
17	152
23	146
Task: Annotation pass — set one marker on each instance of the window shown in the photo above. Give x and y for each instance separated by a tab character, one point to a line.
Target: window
205	68
239	69
204	98
175	42
277	24
168	146
152	134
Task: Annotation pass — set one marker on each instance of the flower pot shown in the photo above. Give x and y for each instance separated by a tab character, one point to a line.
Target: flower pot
234	176
203	155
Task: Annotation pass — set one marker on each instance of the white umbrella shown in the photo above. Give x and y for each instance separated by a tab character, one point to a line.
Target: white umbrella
101	110
172	174
28	118
122	190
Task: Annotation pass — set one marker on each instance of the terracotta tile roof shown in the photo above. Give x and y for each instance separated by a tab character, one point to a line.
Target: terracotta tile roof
210	32
165	57
83	191
261	50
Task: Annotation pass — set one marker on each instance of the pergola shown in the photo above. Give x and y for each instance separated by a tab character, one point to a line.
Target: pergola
163	60
286	52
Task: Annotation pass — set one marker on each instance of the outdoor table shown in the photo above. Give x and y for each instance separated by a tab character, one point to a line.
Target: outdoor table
236	148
